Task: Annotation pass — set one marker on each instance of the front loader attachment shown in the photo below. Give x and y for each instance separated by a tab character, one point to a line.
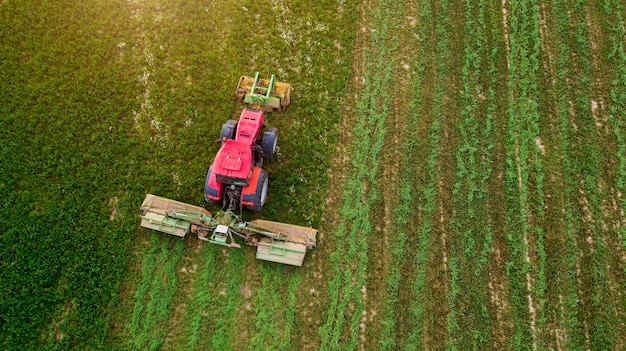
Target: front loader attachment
263	94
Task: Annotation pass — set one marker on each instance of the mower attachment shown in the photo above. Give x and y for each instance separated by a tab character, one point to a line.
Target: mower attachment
276	242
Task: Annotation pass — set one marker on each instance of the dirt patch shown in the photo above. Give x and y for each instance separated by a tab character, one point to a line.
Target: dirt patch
245	291
112	208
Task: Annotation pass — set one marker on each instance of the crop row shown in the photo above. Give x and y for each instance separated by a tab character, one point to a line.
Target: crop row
428	195
522	134
350	262
470	218
618	96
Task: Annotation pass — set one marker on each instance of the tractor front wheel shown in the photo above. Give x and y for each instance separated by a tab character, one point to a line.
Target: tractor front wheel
269	142
228	130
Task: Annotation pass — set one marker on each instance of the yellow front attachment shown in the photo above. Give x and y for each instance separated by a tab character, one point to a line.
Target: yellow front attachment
280	96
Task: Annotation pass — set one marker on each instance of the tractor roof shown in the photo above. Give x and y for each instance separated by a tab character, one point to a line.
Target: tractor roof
234	159
250	123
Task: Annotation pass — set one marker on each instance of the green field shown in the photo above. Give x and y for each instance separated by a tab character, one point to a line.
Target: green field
464	162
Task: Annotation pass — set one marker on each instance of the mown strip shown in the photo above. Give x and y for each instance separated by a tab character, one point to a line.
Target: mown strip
202	298
602	328
147	273
573	321
390	308
617	116
229	300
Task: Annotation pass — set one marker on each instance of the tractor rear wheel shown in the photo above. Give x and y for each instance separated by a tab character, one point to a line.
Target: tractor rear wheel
261	192
228	130
269	142
208	190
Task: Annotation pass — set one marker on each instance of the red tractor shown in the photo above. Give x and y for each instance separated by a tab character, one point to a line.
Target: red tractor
236	176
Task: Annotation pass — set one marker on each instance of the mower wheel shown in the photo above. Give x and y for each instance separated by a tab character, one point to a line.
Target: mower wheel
228	130
269	142
261	192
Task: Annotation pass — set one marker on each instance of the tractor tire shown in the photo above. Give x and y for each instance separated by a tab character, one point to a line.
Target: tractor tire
228	130
269	142
209	190
261	192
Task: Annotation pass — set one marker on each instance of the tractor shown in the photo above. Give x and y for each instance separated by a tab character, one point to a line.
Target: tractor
236	179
